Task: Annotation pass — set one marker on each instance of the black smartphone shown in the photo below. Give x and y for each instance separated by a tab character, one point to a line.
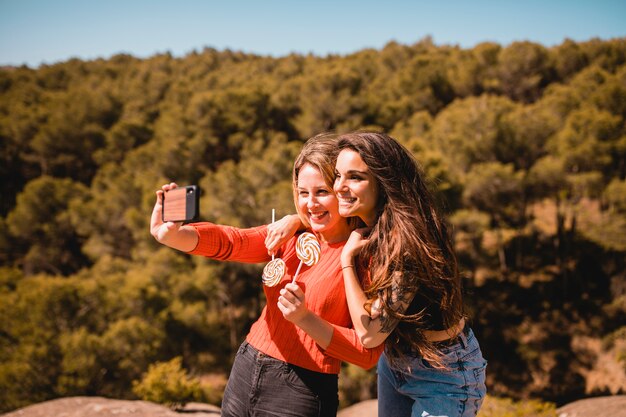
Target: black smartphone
181	204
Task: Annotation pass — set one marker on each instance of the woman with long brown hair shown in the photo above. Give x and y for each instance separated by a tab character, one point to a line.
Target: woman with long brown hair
432	364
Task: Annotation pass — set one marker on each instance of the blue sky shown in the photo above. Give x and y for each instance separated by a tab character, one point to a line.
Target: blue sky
35	32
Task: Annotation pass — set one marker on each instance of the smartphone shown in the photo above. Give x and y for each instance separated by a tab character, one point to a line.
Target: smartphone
181	204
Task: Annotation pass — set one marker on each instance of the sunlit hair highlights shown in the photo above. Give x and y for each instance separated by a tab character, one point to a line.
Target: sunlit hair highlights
320	152
409	245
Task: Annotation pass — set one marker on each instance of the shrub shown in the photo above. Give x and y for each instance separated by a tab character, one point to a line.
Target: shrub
168	383
505	407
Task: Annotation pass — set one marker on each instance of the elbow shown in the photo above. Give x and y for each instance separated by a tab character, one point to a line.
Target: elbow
363	338
370	344
368	341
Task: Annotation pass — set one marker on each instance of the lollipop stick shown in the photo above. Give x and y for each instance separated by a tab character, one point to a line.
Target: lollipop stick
296	274
273	220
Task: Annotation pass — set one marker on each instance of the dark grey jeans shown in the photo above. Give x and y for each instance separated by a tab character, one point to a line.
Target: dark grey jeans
260	385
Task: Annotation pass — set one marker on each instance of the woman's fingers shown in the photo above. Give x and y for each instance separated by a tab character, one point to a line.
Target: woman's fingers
279	232
155	219
376	309
289	296
355	243
295	289
158	229
286	304
292	303
283	309
169	186
271	243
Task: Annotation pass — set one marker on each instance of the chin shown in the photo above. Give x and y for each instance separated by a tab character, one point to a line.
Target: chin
346	212
317	227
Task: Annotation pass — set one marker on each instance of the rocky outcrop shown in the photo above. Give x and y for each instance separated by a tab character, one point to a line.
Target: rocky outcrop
105	407
613	406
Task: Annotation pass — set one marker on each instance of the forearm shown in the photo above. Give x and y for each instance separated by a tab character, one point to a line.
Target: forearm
369	330
226	243
319	329
356	299
346	346
339	342
185	239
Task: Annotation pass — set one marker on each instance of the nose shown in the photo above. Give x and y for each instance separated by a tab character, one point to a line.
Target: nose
312	202
339	184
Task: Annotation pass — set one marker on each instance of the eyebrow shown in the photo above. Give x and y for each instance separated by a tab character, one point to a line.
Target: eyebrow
355	171
325	187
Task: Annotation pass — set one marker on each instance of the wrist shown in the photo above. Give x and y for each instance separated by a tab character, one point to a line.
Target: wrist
302	319
347	260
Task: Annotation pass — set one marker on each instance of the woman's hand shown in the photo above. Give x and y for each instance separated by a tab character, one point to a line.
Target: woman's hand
375	309
171	234
353	246
162	231
281	231
292	303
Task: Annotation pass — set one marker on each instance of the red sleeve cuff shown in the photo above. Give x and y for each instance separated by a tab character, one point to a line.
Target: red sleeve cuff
345	345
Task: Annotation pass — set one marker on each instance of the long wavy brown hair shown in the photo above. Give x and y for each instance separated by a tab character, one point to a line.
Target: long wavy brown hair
409	250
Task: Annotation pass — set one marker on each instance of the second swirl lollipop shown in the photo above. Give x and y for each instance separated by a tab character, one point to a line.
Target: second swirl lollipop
308	250
273	272
275	269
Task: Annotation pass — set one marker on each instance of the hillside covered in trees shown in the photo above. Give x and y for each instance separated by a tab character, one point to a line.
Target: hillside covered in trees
525	145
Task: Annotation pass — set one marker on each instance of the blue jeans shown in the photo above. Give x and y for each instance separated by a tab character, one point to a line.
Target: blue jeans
260	385
419	390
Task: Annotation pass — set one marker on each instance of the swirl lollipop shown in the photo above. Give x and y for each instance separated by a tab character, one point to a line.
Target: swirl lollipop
308	250
273	272
275	269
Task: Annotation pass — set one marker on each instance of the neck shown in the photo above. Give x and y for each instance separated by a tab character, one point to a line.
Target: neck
339	233
370	220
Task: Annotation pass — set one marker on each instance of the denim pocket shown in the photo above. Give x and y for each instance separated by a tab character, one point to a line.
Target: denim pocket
479	372
293	381
242	348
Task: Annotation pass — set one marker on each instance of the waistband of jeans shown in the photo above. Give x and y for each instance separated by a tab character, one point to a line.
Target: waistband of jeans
247	348
464	337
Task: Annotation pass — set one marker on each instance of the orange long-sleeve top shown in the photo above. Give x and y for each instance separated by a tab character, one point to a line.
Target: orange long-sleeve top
323	285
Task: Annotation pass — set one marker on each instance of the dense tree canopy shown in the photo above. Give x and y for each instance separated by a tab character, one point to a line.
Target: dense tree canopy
525	147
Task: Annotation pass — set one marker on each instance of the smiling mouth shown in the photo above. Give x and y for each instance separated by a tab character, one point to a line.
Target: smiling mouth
347	200
318	215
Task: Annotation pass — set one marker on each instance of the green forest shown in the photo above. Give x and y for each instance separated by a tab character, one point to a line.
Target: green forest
524	145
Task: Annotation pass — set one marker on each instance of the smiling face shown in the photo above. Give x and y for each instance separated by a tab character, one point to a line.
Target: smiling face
319	206
356	187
